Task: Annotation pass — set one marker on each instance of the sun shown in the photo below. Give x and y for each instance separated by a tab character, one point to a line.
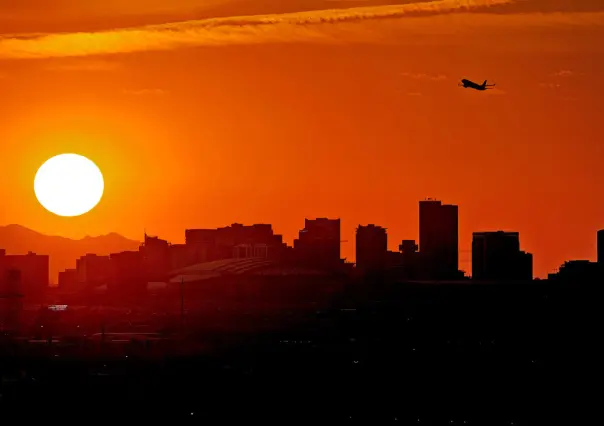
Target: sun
69	185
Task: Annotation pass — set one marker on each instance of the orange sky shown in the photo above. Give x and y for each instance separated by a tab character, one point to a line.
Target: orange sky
264	114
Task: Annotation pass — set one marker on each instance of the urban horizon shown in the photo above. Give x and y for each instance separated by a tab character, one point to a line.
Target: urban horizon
495	255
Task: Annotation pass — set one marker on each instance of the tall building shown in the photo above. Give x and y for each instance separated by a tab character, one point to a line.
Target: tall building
371	247
182	255
497	256
93	270
33	270
601	247
318	244
156	258
69	280
237	240
128	275
438	239
410	264
10	300
10	283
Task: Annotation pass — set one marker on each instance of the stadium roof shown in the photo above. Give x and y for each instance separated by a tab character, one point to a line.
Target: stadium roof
207	270
255	265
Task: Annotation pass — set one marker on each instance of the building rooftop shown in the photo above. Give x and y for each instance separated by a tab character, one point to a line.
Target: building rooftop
254	265
207	270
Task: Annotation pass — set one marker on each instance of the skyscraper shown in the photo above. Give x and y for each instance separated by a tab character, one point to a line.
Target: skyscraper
156	258
236	240
33	272
371	247
318	244
497	256
93	270
601	247
438	239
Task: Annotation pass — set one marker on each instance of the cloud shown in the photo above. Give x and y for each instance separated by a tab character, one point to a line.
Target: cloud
146	92
422	76
300	26
414	94
550	85
567	73
324	26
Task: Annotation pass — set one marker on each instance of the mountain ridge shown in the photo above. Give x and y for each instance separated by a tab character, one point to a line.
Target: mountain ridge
63	251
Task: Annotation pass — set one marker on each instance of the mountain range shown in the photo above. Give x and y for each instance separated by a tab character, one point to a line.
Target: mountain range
63	252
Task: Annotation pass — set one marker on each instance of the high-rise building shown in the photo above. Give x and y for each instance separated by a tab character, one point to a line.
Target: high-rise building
497	256
10	300
182	255
601	247
33	269
438	239
69	280
237	240
128	273
93	270
318	244
156	258
371	247
10	283
409	264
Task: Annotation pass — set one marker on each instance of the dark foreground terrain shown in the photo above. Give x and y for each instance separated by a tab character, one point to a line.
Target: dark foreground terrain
379	354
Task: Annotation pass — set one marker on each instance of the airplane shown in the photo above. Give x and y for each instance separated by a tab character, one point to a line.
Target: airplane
470	84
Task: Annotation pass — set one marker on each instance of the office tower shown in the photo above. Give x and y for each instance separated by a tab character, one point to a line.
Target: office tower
200	246
438	239
318	244
33	270
601	247
69	281
93	270
10	299
128	275
156	258
409	266
236	240
496	256
371	247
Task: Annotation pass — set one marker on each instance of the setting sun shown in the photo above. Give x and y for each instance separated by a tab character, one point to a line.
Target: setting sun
69	185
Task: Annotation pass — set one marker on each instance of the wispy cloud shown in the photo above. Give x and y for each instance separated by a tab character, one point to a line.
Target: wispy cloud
550	85
567	73
290	27
323	26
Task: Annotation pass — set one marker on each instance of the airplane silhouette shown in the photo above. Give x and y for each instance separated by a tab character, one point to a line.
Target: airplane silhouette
470	84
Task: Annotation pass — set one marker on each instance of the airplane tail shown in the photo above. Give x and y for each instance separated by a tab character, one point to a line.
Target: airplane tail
484	84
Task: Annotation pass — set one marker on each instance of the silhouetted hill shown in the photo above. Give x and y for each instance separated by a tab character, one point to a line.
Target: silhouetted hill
63	252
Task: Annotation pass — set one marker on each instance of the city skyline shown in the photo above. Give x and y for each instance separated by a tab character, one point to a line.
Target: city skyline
465	255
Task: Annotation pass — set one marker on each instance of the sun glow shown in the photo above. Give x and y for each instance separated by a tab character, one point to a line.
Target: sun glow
69	185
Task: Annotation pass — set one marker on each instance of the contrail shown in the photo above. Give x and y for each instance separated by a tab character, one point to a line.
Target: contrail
313	26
